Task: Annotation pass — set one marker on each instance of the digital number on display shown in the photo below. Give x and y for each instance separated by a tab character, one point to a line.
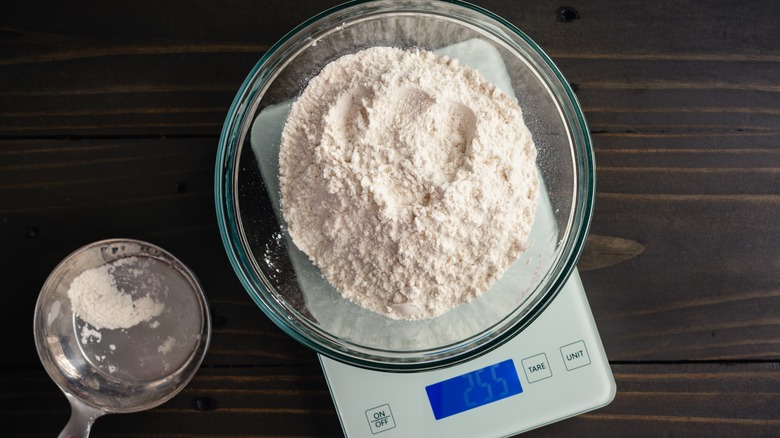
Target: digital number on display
474	389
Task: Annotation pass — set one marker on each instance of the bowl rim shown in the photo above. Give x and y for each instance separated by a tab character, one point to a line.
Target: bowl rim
232	237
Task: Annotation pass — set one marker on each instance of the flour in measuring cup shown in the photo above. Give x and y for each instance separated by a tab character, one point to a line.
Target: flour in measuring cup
98	301
408	179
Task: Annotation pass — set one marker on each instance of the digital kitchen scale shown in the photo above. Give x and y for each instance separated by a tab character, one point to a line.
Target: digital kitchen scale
554	369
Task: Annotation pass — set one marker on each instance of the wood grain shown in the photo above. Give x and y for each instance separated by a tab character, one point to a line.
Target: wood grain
605	251
667	289
171	75
110	114
652	400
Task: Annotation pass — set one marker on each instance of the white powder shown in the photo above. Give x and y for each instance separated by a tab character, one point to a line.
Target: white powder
88	334
408	179
97	300
167	345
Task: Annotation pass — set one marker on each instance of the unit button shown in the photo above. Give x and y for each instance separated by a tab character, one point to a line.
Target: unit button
380	419
575	355
536	368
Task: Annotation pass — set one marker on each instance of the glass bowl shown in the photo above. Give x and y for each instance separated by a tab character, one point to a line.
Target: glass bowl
292	292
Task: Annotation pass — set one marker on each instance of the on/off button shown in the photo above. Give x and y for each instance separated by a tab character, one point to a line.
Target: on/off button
380	419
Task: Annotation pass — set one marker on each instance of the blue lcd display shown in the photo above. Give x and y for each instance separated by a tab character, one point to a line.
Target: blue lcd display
474	389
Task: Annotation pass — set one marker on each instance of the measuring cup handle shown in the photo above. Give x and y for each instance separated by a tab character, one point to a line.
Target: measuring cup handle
82	416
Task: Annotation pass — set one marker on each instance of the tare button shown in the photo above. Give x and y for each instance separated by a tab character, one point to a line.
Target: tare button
536	368
380	419
575	355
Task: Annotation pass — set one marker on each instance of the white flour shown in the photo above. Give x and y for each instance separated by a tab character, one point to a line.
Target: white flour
167	345
408	179
97	300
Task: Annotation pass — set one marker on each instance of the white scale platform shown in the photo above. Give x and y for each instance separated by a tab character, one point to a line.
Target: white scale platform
560	364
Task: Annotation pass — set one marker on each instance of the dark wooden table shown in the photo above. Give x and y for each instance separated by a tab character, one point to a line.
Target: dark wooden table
110	114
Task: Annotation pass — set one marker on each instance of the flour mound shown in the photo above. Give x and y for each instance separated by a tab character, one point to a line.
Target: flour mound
97	300
408	179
